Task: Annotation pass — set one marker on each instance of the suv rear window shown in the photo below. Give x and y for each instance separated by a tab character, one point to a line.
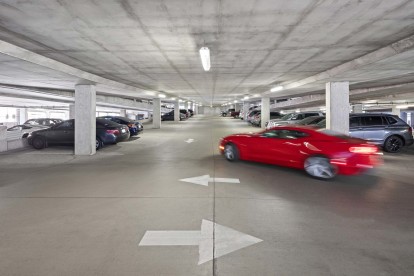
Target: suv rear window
373	121
392	120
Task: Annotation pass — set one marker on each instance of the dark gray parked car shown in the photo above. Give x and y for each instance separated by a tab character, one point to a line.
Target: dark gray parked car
385	130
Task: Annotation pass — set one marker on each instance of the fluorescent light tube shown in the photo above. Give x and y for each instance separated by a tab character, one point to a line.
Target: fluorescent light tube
205	58
276	88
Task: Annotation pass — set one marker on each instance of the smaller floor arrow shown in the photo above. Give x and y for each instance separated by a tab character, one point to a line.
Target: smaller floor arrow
212	237
205	179
189	141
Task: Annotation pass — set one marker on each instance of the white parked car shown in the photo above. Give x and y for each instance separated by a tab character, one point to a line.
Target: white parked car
292	118
22	131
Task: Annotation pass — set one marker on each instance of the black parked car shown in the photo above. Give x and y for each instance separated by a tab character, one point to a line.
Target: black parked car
107	132
135	127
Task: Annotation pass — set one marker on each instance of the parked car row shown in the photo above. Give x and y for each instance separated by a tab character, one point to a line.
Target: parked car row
45	132
184	114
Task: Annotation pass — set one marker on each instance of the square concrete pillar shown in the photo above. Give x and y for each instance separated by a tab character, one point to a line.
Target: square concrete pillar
246	110
22	115
177	111
265	113
122	113
357	108
71	111
3	138
337	106
85	119
156	113
396	111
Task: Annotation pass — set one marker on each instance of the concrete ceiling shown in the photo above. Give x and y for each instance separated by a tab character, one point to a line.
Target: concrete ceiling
152	45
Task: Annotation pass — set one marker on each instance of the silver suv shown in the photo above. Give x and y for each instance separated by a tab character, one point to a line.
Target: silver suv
385	130
292	118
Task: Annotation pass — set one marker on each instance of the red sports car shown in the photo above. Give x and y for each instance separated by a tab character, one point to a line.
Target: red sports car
322	153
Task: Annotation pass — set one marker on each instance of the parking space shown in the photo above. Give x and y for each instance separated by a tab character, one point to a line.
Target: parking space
70	215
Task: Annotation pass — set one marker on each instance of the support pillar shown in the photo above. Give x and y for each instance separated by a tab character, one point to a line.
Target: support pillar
85	119
403	116
246	110
3	138
357	108
71	111
22	113
122	113
156	113
396	111
337	106
177	111
265	113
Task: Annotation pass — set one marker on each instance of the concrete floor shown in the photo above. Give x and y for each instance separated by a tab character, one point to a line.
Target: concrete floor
66	215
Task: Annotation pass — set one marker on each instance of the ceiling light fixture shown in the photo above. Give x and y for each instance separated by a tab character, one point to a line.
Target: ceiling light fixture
162	96
246	98
205	58
276	88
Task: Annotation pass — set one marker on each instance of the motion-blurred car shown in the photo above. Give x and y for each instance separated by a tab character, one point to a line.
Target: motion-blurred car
292	118
107	132
322	155
185	112
135	127
43	122
22	131
385	130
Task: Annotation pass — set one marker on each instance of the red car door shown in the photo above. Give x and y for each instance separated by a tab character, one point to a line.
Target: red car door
282	147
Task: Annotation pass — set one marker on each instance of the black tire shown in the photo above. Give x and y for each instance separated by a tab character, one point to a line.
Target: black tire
99	143
393	144
320	167
231	152
39	143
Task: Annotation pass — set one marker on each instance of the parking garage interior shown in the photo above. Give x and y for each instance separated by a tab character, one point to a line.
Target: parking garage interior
166	201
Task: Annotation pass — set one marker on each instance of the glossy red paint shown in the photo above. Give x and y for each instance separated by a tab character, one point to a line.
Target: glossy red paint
290	146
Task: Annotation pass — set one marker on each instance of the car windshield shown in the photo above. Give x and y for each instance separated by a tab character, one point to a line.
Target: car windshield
287	116
321	123
309	120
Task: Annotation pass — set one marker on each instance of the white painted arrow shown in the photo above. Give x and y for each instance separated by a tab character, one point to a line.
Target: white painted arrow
189	141
226	240
204	179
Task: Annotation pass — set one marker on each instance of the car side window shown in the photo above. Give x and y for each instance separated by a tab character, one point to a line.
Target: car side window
285	134
354	121
65	125
372	121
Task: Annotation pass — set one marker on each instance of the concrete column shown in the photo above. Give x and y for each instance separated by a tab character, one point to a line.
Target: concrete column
177	111
396	111
122	113
3	138
357	108
22	115
265	113
156	113
71	111
85	119
337	106
403	116
246	111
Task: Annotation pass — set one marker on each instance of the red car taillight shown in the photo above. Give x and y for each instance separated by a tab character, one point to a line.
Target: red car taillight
112	131
363	150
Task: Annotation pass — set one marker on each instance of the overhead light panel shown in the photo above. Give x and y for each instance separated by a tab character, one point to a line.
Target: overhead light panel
276	88
205	58
246	98
162	96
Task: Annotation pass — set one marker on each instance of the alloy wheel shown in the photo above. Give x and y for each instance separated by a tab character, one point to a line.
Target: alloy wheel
320	167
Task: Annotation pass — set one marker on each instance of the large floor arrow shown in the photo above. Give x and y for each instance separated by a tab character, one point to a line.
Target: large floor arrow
226	240
205	179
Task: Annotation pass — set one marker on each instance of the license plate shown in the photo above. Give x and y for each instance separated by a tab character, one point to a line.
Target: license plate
123	130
